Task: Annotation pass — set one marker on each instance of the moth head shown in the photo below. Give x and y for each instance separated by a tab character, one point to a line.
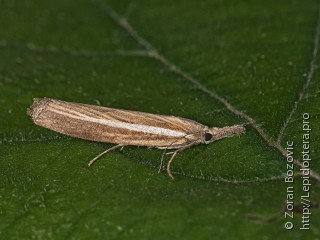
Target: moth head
214	134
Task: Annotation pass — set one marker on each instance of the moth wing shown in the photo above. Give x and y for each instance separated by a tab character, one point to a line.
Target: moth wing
113	125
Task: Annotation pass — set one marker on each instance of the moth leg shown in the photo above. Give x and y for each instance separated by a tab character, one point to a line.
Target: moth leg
161	162
169	163
164	153
169	153
174	154
104	152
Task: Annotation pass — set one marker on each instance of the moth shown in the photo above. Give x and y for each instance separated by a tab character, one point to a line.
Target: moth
125	127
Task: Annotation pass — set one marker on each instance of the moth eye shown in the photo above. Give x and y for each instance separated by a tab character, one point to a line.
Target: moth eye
207	136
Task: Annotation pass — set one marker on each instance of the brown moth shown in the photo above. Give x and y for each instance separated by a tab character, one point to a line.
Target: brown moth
124	127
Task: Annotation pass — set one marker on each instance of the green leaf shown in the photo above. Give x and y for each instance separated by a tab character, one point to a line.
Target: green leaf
217	62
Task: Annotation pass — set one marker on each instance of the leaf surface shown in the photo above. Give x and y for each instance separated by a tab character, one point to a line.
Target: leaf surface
217	62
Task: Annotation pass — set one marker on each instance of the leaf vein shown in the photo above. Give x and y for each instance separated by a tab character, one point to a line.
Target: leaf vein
306	85
70	52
